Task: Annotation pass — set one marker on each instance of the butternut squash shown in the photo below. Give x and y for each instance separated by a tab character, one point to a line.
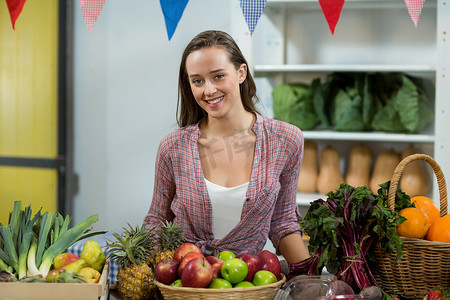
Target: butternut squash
307	181
414	181
358	167
383	169
330	176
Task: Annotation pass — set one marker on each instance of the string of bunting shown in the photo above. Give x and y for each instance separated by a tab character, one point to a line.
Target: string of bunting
173	11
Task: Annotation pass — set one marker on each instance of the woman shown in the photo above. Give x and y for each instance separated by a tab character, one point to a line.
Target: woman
228	175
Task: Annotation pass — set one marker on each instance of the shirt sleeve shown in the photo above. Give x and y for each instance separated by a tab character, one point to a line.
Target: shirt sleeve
286	217
163	191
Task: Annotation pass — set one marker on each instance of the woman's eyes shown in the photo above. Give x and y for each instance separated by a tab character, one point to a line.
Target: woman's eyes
200	81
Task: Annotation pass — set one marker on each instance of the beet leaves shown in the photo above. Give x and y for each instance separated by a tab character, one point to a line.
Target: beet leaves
345	229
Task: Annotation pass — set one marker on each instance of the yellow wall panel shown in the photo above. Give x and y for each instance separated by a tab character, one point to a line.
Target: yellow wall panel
29	80
37	187
29	104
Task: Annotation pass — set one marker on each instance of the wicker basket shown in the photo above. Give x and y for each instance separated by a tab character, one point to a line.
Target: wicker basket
265	292
425	264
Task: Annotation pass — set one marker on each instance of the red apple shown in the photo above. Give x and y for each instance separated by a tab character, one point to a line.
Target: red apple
166	270
198	273
270	262
253	263
216	264
184	249
187	258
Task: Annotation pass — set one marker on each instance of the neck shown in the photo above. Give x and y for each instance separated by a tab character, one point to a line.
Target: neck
242	122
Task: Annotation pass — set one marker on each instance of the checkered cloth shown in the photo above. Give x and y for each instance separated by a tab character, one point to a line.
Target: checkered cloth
414	9
91	9
101	239
252	10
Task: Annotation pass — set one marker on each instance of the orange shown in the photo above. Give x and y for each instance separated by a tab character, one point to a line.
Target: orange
440	230
427	206
416	224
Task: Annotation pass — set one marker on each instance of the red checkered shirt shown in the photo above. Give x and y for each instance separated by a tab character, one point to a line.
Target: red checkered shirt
269	209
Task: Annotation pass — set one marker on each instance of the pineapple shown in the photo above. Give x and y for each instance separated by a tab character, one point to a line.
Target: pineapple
132	251
170	238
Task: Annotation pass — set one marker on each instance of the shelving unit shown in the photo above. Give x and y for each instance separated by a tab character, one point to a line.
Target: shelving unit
292	43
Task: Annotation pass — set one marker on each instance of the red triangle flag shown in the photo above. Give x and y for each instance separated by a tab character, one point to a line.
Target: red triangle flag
332	10
414	9
15	8
91	10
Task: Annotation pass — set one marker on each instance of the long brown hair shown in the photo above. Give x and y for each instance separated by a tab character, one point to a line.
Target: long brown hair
188	111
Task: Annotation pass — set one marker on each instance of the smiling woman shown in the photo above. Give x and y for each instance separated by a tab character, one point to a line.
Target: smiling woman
228	175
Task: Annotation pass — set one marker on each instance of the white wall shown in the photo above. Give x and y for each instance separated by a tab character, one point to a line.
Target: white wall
125	94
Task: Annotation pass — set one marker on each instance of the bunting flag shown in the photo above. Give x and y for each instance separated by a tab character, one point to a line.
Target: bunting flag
15	8
172	10
332	10
252	10
91	10
414	9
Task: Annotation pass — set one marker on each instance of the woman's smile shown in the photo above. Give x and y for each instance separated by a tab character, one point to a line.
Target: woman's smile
214	102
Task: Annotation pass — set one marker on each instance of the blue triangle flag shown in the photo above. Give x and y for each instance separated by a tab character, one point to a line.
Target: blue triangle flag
252	10
172	10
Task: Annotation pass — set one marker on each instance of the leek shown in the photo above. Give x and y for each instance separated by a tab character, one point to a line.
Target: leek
46	223
4	266
31	262
25	239
64	242
9	247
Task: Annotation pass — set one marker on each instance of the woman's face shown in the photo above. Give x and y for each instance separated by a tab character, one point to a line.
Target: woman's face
215	81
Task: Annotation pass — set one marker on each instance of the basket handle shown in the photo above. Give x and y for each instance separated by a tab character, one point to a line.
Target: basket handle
437	171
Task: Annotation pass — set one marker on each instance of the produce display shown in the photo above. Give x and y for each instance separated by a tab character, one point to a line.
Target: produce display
345	228
191	268
307	181
439	292
133	252
170	238
359	170
330	176
424	221
383	168
33	248
358	167
391	102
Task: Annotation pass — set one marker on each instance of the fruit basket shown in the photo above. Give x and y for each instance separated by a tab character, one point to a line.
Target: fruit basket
425	264
265	292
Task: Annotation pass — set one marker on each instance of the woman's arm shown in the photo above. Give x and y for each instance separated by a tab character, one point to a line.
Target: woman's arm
163	190
293	248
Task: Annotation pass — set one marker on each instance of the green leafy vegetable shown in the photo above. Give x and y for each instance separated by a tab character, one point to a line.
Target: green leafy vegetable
293	104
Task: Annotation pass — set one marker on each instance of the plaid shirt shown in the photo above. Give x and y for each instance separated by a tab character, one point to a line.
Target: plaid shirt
270	208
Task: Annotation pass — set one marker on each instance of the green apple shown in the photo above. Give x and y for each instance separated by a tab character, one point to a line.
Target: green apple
220	283
176	283
226	255
234	270
264	277
93	254
244	284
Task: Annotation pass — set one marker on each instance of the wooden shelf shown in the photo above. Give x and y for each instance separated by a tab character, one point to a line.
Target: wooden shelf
368	136
304	199
326	68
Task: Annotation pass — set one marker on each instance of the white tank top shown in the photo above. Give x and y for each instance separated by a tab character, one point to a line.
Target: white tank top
227	206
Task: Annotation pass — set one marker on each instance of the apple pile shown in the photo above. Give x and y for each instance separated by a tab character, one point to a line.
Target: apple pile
190	268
